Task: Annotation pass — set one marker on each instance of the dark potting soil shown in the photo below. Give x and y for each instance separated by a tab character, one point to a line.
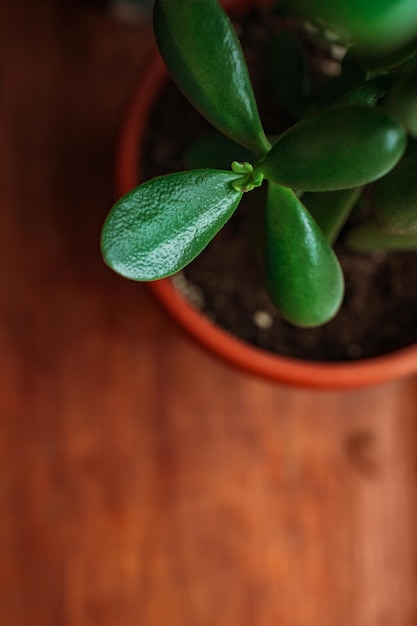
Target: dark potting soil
379	312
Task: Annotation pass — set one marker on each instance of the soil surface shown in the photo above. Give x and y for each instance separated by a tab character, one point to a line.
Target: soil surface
379	312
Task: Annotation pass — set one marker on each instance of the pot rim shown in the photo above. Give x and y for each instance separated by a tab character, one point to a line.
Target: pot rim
312	374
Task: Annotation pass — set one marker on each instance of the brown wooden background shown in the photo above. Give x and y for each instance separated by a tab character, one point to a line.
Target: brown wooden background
144	483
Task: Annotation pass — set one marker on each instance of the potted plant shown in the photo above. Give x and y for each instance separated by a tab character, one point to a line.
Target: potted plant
355	137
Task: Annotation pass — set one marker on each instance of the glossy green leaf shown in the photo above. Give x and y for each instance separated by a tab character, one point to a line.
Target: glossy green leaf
330	209
200	48
216	151
375	24
395	195
368	236
162	225
288	71
339	148
303	274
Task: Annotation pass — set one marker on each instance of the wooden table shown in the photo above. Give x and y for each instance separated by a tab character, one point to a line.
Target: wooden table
143	482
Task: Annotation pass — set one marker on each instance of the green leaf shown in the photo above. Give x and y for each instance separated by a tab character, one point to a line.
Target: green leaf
303	274
374	24
162	225
216	151
370	92
330	209
368	236
395	195
201	50
402	100
386	61
339	148
289	73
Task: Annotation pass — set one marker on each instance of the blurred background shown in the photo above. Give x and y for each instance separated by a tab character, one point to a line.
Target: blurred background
143	482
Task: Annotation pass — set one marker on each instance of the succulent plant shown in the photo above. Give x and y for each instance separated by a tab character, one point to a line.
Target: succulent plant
365	133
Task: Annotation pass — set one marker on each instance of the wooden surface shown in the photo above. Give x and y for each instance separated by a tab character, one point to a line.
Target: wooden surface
144	483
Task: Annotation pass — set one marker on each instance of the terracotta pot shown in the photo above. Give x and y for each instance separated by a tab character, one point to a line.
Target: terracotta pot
334	375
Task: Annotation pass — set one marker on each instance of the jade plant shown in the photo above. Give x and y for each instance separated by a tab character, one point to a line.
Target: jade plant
363	133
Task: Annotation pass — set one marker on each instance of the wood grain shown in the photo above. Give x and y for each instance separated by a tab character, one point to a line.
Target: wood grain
144	482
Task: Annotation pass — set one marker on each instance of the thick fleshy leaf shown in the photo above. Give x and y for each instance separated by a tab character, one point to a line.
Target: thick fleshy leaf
288	73
375	24
330	209
201	50
369	92
216	151
339	148
368	236
162	225
395	195
402	100
303	274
